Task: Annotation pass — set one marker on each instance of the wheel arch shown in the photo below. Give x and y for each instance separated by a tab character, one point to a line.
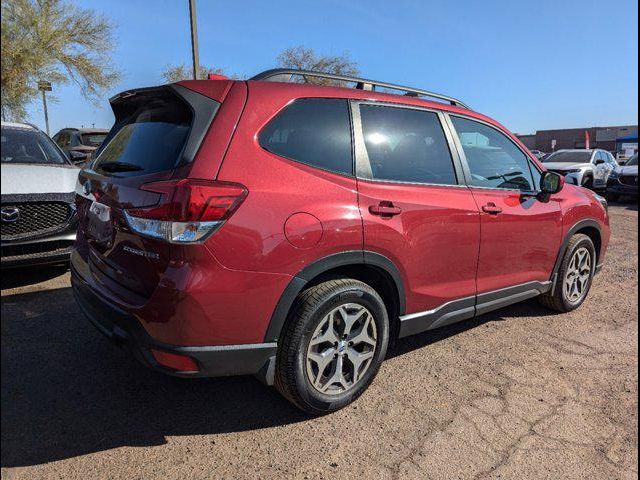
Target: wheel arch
369	267
588	227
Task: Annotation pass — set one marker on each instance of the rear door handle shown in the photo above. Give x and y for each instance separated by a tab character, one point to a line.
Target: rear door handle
385	209
491	208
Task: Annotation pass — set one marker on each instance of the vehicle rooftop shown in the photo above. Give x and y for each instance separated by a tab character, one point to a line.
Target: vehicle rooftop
25	126
288	75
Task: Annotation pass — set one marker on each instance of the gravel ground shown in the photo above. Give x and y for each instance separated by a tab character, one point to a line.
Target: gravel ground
519	393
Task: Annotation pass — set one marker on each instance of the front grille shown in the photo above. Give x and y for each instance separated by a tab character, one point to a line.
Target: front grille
34	217
631	180
36	249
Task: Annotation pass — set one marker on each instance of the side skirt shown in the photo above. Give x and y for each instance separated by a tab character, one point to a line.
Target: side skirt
469	307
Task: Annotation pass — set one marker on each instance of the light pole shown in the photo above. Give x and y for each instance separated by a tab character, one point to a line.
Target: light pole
194	39
45	86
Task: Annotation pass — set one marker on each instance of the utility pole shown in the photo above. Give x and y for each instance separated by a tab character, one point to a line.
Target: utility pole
194	39
44	87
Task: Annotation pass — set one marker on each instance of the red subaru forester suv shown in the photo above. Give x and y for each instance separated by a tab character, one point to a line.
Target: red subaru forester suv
290	230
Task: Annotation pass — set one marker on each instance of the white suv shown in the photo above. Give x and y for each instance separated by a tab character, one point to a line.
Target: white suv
38	191
588	168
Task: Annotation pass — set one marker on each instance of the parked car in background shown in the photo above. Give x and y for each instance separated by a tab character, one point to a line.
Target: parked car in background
539	155
80	143
588	168
37	199
290	230
624	180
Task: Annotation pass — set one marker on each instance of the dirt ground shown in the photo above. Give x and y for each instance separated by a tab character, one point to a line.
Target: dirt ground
519	393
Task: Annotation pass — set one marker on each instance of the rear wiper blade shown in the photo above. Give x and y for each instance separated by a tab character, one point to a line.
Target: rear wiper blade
120	167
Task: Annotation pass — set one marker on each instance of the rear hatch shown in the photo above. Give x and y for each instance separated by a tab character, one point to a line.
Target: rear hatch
156	136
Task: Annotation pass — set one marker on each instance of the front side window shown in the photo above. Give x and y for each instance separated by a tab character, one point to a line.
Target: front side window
493	159
313	131
406	145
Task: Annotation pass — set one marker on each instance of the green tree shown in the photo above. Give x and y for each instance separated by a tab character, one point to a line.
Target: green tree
176	73
56	41
302	58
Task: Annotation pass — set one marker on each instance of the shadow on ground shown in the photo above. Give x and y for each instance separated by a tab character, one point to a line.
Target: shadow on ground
22	277
66	391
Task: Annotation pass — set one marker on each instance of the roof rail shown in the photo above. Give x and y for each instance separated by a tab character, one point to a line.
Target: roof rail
286	75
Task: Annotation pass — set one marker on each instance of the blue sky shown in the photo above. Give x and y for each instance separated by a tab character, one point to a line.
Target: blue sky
531	65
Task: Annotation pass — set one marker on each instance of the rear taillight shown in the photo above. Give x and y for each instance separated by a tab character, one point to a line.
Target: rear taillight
189	209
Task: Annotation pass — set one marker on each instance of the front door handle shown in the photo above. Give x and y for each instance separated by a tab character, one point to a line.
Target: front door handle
491	208
385	209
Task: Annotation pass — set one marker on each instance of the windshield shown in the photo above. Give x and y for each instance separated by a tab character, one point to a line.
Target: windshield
21	145
93	139
632	161
569	157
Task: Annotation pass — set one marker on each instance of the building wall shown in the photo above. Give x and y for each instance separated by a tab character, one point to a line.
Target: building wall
600	137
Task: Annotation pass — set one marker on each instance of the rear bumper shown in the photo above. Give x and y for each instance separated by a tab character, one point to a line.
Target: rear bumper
125	330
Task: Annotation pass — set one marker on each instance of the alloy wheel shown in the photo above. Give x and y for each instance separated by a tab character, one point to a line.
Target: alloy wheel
341	349
576	280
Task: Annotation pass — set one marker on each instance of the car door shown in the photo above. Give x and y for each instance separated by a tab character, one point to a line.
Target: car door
521	235
601	169
415	208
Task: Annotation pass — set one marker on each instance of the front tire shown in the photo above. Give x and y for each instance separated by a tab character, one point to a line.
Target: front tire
588	183
575	276
332	345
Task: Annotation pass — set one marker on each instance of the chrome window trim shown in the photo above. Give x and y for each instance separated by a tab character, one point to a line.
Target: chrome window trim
363	164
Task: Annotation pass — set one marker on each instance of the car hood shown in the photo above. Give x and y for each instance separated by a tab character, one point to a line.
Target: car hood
630	170
26	179
565	166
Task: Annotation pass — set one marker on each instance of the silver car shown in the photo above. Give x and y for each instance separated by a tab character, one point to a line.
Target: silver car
588	168
38	198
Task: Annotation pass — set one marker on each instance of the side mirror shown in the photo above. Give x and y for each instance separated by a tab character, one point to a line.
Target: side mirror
550	183
599	161
78	157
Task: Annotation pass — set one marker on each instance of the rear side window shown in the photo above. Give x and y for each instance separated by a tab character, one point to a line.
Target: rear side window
150	138
313	131
406	145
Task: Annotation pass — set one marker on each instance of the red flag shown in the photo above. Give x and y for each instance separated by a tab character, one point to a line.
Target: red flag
586	140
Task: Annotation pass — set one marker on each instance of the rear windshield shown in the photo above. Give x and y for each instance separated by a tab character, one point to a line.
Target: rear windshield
93	139
569	157
21	145
150	138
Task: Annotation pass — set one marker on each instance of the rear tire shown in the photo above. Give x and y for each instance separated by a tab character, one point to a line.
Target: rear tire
575	276
332	345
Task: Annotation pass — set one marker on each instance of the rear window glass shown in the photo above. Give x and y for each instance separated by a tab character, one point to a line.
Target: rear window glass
314	131
150	138
93	139
406	145
29	146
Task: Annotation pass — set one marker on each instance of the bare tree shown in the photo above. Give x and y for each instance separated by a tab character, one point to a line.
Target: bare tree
56	41
302	58
176	73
